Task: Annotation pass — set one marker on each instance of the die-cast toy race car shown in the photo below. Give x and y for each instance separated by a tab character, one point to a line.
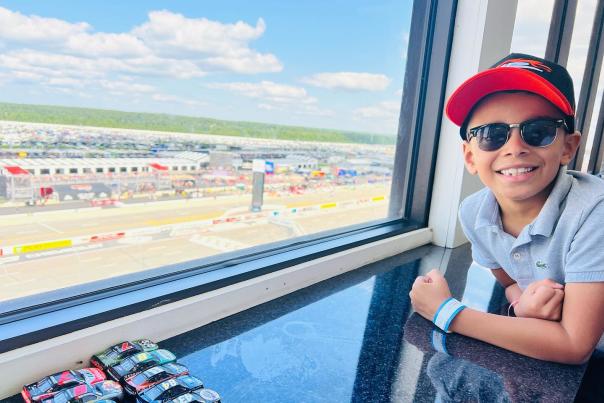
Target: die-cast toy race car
170	389
116	353
138	363
136	383
106	391
51	384
201	396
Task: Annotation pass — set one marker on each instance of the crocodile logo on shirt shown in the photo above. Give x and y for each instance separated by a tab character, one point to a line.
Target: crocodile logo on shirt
541	265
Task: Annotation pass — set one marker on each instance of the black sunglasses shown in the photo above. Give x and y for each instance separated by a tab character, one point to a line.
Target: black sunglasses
540	132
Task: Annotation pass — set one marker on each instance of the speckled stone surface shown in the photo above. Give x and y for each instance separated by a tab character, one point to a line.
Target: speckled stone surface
354	338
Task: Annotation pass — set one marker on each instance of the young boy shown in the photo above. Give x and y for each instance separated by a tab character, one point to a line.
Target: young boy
537	226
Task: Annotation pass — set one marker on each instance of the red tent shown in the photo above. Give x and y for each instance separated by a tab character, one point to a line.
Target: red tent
159	167
15	170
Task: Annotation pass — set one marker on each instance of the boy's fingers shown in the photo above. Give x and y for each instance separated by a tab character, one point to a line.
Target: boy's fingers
556	301
532	287
552	283
422	279
434	275
543	294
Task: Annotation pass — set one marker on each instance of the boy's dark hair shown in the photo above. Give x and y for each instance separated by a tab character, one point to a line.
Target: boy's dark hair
516	72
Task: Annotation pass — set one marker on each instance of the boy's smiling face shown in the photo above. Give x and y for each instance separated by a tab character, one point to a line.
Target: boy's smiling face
528	189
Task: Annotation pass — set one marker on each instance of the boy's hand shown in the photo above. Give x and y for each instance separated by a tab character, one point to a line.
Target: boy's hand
428	292
541	300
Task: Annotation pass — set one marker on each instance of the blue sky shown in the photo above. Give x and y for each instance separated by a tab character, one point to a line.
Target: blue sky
335	64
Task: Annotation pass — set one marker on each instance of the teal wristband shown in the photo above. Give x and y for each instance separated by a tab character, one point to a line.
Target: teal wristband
446	312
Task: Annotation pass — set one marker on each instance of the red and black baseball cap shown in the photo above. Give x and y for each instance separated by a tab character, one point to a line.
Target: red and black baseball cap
516	72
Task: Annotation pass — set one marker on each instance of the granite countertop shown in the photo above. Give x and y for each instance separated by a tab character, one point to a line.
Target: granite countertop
354	338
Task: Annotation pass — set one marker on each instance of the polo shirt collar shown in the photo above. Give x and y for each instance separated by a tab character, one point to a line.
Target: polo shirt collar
550	212
488	212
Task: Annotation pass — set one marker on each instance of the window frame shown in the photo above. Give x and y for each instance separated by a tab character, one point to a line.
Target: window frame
27	321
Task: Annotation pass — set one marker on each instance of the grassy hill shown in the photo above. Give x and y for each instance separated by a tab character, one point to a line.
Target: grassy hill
182	124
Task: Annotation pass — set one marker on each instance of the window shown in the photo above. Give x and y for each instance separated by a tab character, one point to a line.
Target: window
73	170
44	171
335	115
99	170
59	171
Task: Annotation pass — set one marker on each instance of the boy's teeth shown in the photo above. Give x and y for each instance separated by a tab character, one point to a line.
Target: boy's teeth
515	171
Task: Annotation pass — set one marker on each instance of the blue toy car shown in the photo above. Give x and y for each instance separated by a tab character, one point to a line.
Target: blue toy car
201	396
171	389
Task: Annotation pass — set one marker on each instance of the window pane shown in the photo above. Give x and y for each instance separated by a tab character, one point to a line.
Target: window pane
532	26
175	132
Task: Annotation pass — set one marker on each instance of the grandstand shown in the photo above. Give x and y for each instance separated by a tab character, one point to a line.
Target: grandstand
25	178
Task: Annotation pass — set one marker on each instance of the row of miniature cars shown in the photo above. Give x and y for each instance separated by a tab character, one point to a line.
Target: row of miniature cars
137	370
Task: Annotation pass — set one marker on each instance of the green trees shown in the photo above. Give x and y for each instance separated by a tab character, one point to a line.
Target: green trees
182	124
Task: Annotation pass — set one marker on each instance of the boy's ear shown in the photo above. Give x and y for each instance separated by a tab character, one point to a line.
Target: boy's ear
571	144
468	157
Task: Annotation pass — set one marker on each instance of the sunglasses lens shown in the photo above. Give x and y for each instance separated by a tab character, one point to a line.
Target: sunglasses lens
491	137
539	133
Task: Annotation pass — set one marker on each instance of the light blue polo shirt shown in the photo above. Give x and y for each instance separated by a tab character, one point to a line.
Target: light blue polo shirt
564	243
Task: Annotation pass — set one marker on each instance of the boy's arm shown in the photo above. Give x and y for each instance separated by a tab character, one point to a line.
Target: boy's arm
512	290
570	341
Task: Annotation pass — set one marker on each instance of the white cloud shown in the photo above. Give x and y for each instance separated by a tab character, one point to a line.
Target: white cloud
17	27
106	45
61	65
313	110
167	45
179	100
126	87
349	81
269	107
245	62
384	110
268	90
213	44
171	31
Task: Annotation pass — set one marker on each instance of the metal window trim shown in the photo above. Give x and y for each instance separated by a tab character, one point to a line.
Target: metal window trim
561	31
596	159
424	88
593	64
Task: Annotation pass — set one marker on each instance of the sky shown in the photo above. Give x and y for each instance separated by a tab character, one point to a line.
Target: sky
335	64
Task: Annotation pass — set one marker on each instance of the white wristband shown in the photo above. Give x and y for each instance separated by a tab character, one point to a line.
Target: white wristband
446	312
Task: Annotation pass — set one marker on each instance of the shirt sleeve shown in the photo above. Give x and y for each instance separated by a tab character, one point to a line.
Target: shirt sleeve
584	262
480	252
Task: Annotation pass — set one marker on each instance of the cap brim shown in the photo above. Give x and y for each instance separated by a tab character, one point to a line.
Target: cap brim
498	79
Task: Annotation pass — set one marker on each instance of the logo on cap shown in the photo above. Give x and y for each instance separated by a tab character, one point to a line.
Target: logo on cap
526	64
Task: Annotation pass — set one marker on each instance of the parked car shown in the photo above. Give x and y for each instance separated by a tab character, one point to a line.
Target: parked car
201	395
106	391
138	363
50	385
136	383
170	389
116	353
